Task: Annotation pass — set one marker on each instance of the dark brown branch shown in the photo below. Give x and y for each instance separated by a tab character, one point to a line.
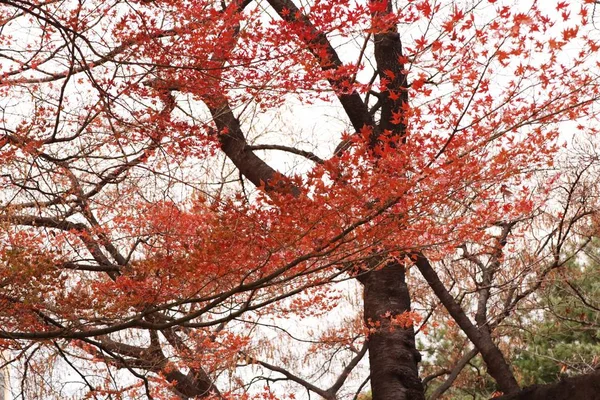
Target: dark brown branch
485	285
353	105
64	356
306	154
344	375
323	393
456	370
198	375
234	145
580	295
496	364
435	375
195	383
582	387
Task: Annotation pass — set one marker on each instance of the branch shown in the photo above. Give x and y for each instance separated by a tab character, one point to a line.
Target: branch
460	365
431	377
486	281
306	154
79	229
344	375
582	387
195	383
581	296
496	364
235	146
323	393
353	105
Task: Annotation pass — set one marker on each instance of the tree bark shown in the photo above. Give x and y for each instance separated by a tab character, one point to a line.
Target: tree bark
392	353
582	387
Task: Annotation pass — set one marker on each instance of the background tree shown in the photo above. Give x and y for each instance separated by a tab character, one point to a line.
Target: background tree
565	339
149	249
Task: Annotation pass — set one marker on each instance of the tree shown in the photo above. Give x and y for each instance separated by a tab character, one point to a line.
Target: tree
565	340
132	241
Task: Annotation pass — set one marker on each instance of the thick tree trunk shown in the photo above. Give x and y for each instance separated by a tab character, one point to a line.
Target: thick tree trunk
392	352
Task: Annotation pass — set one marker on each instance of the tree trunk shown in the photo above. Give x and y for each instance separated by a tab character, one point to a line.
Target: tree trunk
392	352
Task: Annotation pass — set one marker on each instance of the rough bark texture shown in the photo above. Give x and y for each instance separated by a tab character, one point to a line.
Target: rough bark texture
583	387
392	354
388	52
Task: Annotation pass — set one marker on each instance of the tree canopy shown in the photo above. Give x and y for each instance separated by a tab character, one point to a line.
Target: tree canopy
245	198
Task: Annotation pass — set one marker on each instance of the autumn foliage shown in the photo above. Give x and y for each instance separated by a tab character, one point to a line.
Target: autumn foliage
149	247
